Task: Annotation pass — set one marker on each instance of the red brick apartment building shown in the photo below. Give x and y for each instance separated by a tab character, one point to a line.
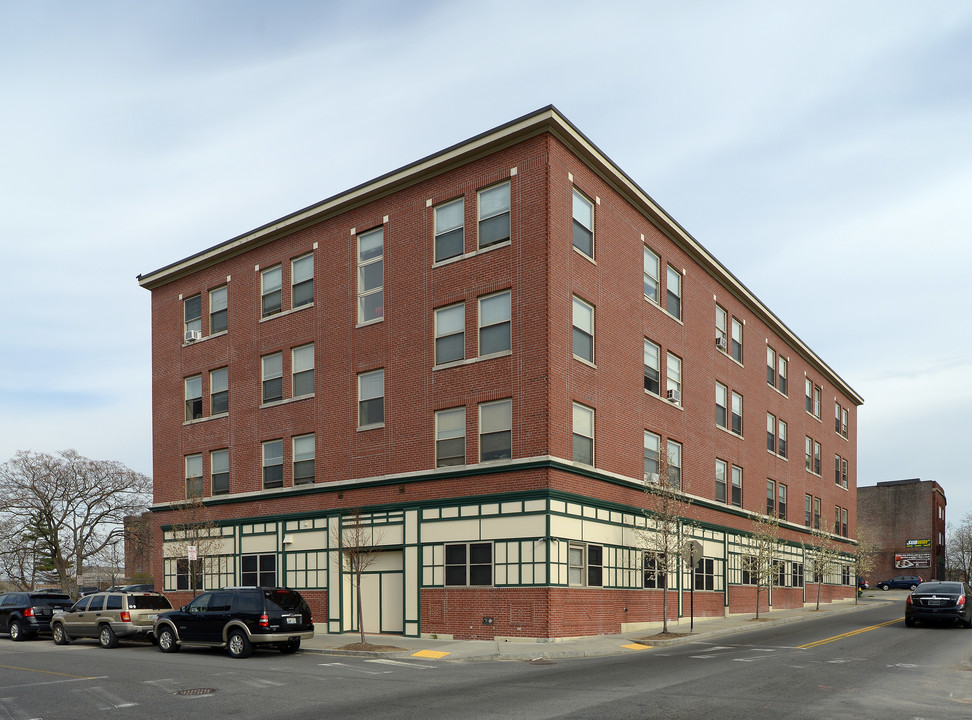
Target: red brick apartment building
484	353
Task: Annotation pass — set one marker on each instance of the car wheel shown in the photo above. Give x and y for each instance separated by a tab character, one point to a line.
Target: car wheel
913	588
60	635
289	647
107	637
16	630
884	587
167	640
237	644
910	621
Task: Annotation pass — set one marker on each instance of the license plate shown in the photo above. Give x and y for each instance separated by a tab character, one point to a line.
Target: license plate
291	621
153	617
934	602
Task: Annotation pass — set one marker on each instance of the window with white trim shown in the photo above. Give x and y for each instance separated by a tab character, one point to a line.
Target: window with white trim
652	367
192	316
496	430
675	464
449	230
371	275
737	410
371	398
652	445
781	374
494	215
304	459
193	397
302	366
583	222
722	405
583	323
272	369
770	366
494	323
194	476
302	281
450	437
219	391
736	340
736	499
270	295
673	372
583	420
651	264
585	565
219	472
781	441
721	473
674	293
450	334
273	464
722	329
217	310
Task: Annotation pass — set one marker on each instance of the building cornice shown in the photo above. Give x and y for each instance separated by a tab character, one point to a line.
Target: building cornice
545	120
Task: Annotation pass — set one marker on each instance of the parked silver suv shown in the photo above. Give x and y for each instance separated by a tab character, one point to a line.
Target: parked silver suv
109	616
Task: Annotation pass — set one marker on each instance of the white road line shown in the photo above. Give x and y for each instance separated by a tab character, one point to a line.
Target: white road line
401	663
13	711
113	700
356	669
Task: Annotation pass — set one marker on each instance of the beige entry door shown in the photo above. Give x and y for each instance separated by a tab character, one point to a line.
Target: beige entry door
382	595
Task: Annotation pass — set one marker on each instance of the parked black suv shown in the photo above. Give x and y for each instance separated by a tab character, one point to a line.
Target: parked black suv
26	614
238	618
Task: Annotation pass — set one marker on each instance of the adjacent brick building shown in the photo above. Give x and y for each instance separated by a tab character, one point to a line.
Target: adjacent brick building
459	350
905	519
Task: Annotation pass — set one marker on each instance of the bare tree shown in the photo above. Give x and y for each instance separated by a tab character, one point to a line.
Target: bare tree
667	530
863	557
958	550
194	527
360	543
761	563
68	507
821	556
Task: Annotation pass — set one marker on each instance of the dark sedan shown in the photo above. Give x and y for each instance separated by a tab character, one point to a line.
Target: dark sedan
940	602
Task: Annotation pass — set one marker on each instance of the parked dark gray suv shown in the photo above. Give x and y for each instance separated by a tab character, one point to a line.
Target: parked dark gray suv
899	582
27	614
238	618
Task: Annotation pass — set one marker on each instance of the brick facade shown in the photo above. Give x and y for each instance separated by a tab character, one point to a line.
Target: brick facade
896	512
392	465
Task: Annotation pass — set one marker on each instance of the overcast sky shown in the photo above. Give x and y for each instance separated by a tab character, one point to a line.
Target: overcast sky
821	150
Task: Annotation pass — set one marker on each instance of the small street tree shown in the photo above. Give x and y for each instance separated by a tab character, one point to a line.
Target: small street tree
64	509
193	527
863	557
822	556
667	530
760	566
360	543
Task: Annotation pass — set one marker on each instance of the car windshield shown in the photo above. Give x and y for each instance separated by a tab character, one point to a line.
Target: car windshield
940	587
148	602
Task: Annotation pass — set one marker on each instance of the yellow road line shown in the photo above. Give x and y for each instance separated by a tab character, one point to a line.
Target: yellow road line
852	633
45	672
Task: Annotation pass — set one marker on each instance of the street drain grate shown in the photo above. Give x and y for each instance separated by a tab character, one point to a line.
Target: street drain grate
196	691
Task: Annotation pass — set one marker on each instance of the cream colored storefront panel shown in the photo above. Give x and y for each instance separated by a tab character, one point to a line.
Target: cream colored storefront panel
450	531
258	543
513	527
566	527
306	541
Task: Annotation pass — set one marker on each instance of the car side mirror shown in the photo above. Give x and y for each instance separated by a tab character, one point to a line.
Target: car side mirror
183	608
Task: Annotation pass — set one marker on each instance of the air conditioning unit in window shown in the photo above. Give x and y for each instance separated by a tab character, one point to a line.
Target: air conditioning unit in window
674	396
651	477
721	343
193	335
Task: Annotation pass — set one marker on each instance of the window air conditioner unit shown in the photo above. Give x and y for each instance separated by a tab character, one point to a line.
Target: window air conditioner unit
674	396
193	335
651	477
721	343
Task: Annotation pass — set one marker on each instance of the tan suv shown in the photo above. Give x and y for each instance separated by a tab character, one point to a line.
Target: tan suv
109	616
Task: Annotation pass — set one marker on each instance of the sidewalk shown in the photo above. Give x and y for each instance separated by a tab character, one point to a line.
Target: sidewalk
439	649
